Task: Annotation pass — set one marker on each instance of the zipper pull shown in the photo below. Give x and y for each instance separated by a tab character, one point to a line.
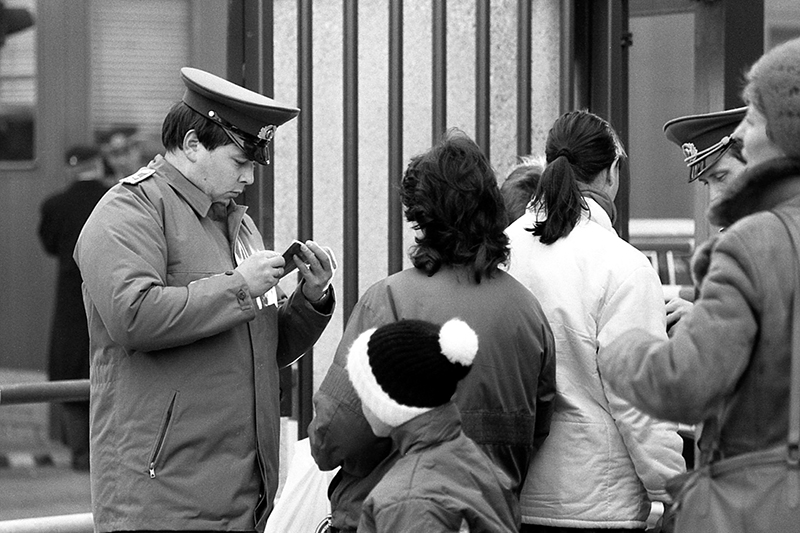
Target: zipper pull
153	470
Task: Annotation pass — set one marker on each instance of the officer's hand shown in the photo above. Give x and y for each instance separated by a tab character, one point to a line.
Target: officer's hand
261	271
317	265
677	308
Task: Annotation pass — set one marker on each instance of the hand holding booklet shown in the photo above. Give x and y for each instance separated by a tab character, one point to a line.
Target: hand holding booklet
292	250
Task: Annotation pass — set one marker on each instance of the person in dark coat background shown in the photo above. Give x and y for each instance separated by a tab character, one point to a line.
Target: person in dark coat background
62	217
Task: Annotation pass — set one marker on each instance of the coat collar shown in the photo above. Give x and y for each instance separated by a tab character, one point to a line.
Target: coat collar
440	424
759	188
197	199
598	214
595	213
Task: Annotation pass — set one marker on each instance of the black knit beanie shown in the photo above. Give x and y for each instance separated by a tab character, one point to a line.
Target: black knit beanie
406	368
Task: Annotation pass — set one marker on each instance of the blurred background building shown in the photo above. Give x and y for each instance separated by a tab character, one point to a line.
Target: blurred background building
501	70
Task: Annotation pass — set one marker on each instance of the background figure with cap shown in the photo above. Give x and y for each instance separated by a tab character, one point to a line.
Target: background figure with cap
187	330
62	217
518	188
715	159
728	362
450	196
605	464
405	374
122	152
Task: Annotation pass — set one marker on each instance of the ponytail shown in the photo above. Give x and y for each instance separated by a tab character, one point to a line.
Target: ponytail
579	146
559	195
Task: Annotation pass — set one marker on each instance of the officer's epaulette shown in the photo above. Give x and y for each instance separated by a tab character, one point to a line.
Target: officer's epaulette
140	175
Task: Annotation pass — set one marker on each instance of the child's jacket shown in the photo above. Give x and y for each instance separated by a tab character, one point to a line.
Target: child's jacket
441	480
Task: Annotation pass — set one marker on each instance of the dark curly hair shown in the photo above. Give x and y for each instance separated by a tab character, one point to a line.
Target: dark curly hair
180	119
579	146
450	193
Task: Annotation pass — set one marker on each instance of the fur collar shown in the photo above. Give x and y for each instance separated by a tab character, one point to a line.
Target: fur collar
758	188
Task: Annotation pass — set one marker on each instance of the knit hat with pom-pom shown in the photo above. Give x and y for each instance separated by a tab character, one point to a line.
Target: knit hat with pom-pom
773	86
406	368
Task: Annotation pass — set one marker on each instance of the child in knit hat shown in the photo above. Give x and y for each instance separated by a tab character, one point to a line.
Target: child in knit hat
405	374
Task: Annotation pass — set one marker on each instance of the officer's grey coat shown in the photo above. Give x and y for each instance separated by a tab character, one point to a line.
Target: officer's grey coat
184	373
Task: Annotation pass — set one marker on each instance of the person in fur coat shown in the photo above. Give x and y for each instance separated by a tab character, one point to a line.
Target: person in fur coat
728	362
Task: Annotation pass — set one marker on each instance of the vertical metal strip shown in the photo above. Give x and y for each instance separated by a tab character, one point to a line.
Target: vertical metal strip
482	73
395	209
305	139
617	75
255	72
350	163
235	44
439	74
524	106
264	61
305	190
567	81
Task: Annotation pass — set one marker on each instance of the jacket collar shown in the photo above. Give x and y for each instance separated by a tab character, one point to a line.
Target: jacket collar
759	188
597	213
601	198
197	199
440	424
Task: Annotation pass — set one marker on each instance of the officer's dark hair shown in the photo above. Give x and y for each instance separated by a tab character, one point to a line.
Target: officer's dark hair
579	146
182	118
450	192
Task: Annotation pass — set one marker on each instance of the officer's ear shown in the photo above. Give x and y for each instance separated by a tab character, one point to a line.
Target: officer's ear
191	145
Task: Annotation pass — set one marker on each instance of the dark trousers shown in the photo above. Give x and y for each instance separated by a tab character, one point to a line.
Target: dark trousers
76	430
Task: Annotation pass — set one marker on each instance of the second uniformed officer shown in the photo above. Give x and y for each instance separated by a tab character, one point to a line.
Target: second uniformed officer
713	156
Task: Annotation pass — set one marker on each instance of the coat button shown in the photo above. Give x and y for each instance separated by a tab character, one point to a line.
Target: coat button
241	294
229	272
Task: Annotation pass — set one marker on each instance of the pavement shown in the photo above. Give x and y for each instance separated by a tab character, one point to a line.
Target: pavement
25	436
35	475
37	491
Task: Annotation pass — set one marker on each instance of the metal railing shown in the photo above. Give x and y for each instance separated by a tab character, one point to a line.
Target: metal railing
68	390
47	392
72	523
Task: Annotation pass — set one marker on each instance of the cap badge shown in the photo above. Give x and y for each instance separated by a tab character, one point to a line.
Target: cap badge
266	133
700	161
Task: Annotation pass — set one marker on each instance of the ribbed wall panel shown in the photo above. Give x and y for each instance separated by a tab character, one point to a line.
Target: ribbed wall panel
128	38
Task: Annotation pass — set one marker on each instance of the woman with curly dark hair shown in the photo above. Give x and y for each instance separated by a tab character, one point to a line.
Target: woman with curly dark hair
451	198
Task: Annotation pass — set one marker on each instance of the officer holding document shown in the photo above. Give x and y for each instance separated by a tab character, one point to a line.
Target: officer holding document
186	330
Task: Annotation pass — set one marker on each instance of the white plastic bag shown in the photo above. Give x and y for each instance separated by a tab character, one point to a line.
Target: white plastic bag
303	502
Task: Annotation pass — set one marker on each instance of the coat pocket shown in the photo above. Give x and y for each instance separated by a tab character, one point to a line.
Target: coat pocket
157	452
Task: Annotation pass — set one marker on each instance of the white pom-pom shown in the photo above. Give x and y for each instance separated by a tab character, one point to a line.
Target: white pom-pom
458	341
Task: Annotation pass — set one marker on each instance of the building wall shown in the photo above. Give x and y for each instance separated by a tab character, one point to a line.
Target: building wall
64	117
373	114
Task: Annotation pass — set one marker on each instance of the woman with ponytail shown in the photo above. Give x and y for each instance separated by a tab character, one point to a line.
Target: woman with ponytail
452	201
604	464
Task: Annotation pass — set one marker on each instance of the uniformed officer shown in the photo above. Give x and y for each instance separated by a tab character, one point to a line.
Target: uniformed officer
713	157
710	151
187	332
